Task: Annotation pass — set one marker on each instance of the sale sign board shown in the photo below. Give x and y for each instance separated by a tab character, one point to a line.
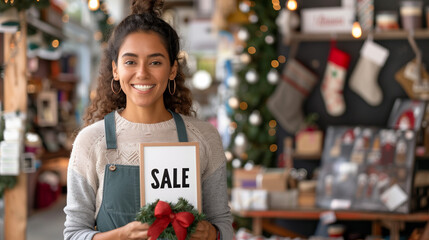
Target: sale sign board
169	171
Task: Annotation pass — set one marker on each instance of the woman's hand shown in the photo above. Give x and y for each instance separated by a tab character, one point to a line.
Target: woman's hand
133	231
204	231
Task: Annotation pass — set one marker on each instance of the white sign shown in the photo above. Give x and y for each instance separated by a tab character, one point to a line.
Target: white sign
327	20
169	171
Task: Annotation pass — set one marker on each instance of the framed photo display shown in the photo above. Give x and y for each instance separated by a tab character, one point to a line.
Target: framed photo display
169	171
47	109
367	168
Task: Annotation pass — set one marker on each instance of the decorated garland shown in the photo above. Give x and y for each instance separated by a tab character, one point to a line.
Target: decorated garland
168	220
21	5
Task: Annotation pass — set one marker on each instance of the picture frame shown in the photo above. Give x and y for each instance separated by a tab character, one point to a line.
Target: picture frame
367	168
169	171
28	162
47	109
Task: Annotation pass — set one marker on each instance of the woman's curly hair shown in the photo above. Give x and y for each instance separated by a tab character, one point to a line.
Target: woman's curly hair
145	17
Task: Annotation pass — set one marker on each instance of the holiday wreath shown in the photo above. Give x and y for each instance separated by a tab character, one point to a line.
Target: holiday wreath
170	221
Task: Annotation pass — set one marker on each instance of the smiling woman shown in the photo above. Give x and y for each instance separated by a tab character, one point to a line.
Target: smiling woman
144	71
141	98
158	34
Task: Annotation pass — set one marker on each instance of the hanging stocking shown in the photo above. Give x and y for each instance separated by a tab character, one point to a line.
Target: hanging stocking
333	81
286	102
364	77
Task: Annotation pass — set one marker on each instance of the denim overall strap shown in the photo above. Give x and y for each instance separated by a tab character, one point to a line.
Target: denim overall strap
121	188
110	130
180	125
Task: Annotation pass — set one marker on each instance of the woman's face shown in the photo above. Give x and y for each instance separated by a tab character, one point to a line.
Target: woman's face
143	70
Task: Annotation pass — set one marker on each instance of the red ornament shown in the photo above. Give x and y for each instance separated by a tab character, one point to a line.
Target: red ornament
164	216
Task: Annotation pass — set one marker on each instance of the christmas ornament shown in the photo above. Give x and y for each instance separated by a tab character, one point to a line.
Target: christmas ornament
245	58
333	81
273	76
240	142
243	34
249	165
244	7
255	118
253	18
269	39
286	102
236	163
365	75
202	80
232	81
251	76
159	214
233	102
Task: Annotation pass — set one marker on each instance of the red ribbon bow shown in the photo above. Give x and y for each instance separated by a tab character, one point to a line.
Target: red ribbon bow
164	216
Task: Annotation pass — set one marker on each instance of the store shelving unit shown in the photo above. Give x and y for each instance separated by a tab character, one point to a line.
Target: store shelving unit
377	35
393	221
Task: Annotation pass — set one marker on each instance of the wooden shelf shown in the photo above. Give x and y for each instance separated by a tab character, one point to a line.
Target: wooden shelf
44	27
380	35
314	214
393	221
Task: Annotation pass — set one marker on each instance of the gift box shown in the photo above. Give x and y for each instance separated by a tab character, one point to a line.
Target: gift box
249	199
278	200
243	178
273	179
307	193
309	143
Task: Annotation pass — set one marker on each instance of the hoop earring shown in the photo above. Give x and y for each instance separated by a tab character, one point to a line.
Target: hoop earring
113	90
174	89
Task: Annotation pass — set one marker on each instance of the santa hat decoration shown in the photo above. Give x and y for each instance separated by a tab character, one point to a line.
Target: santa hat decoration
406	121
348	137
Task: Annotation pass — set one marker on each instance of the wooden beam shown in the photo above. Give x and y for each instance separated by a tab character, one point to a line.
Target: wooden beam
15	98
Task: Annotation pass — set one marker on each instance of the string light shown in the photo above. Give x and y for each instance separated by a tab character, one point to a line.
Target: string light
292	5
282	59
272	123
275	64
356	30
243	106
276	4
55	43
273	147
110	20
93	5
251	50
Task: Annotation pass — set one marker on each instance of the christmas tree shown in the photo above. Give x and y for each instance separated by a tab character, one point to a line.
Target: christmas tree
254	138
